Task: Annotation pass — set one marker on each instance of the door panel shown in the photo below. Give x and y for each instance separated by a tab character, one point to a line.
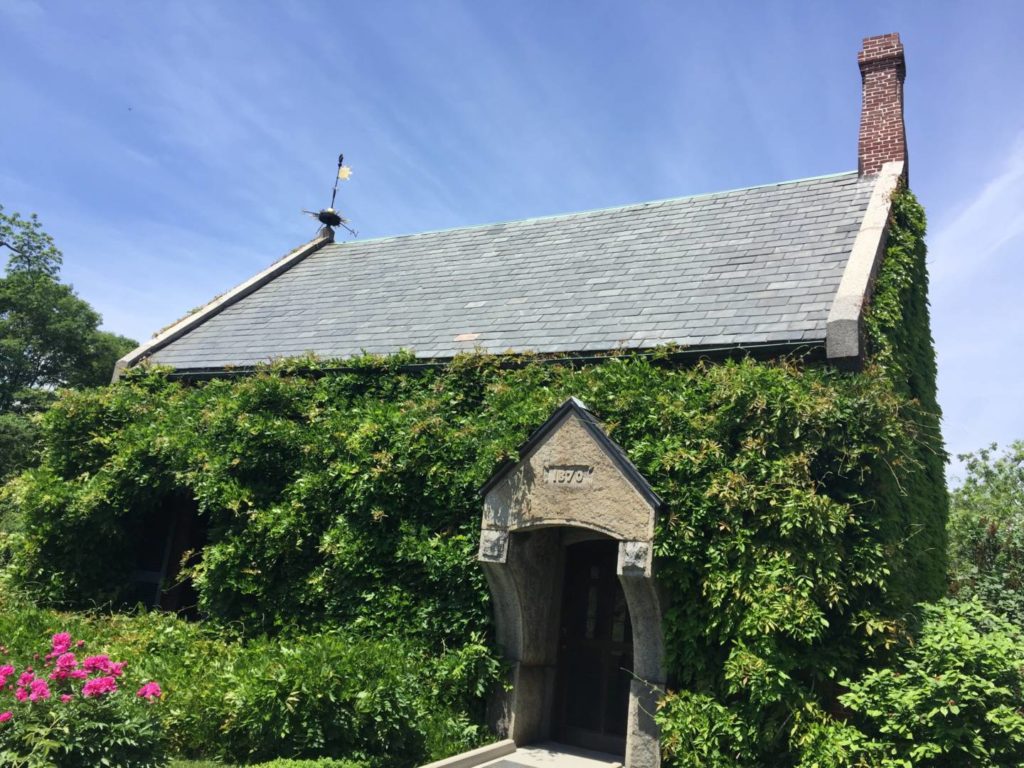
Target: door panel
595	650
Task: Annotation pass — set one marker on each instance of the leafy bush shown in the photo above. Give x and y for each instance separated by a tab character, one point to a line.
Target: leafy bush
986	525
336	695
698	732
323	762
951	698
71	713
389	702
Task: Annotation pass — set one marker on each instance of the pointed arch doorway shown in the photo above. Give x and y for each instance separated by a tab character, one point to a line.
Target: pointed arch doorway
566	543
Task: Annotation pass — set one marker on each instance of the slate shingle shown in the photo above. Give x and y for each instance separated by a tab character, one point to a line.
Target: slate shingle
747	266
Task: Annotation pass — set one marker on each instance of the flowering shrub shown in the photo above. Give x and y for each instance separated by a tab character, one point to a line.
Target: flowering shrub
308	696
75	713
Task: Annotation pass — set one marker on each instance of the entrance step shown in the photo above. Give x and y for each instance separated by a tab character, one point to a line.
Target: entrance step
547	754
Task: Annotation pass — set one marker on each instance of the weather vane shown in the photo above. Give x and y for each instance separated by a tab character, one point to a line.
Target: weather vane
329	217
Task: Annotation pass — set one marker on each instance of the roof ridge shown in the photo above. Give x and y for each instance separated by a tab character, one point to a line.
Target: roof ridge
605	209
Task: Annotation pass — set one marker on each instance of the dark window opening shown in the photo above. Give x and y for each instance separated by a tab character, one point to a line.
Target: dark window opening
166	534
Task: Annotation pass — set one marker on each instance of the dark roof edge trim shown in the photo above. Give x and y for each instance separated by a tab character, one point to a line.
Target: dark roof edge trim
814	348
844	329
221	303
593	426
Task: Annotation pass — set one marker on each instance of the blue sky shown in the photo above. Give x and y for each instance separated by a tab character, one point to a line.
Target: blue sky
169	147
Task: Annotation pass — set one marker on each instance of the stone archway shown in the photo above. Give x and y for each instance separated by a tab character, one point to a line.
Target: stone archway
570	478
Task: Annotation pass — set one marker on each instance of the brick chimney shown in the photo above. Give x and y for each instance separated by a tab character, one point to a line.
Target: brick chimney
882	135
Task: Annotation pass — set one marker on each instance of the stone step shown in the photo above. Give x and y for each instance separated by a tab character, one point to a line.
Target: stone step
548	754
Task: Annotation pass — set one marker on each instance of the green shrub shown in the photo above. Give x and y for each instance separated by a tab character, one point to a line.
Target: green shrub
77	711
951	698
82	735
986	526
325	762
337	695
391	702
698	732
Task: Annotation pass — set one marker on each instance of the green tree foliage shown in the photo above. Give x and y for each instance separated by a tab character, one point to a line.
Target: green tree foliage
952	698
986	531
32	249
49	337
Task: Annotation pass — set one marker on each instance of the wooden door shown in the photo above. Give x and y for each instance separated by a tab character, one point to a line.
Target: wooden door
595	650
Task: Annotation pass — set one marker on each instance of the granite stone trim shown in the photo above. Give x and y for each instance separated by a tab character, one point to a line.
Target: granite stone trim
573	483
475	757
844	334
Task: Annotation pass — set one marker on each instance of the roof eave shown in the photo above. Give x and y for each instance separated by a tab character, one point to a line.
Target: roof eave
807	348
844	331
219	304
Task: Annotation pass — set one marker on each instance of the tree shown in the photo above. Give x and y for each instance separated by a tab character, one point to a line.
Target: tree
49	337
986	530
32	250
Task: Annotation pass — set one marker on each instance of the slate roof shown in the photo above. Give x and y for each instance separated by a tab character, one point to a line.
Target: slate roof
744	267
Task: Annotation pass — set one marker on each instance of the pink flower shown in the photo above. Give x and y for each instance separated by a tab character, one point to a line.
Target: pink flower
26	678
40	690
96	663
103	663
150	691
80	644
66	697
5	716
61	642
21	694
6	670
66	664
99	686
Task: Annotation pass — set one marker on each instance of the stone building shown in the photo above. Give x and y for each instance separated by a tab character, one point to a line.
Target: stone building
566	533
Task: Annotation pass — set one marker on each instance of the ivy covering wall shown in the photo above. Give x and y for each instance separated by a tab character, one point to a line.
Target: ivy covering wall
804	506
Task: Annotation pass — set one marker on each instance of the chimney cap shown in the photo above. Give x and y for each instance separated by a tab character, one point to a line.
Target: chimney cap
881	48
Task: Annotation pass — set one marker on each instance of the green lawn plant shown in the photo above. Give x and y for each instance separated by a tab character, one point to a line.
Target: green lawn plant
323	762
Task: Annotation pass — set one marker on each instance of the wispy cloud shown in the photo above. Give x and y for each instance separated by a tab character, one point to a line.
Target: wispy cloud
975	257
983	223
